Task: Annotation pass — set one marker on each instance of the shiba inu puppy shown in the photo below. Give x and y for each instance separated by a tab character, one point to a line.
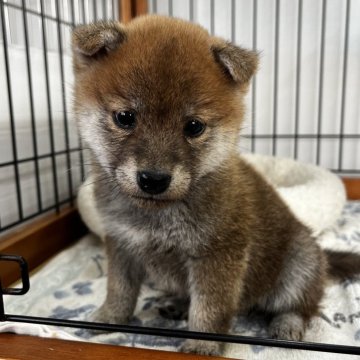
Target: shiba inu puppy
159	102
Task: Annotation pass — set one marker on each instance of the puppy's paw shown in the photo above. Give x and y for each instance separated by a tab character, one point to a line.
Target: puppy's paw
201	347
174	309
107	316
289	326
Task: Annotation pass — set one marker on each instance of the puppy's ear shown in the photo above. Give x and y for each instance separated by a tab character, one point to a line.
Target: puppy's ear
91	42
238	63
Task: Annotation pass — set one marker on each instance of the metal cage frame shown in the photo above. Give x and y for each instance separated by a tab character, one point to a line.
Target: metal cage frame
127	10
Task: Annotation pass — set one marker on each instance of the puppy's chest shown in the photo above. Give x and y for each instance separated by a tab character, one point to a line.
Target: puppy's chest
162	251
164	235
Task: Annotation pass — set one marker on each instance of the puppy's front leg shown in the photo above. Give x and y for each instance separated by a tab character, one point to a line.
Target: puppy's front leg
124	280
215	286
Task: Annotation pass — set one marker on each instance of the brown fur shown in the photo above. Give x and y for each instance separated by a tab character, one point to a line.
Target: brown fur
219	235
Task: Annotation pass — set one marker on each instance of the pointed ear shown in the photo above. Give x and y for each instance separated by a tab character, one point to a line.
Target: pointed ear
238	63
90	42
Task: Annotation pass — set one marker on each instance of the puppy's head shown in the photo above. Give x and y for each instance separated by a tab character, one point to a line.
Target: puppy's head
159	102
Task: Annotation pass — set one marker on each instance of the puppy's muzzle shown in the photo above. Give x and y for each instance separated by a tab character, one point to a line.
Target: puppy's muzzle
153	182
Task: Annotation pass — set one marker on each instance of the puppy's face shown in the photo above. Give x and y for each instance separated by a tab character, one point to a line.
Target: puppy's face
158	102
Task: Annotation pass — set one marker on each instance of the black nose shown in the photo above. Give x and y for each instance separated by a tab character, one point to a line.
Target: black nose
153	182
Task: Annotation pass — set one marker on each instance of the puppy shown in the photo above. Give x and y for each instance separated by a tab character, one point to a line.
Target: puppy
159	102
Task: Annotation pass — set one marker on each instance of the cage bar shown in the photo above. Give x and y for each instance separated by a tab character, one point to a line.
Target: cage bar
32	114
276	76
321	80
170	7
95	17
81	154
298	77
253	85
186	334
233	20
11	113
63	93
191	10
344	83
50	117
212	17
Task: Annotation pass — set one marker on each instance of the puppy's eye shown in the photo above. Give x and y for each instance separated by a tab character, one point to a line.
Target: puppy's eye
125	119
194	128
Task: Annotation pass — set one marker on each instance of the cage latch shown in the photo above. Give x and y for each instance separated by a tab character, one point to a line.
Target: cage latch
14	291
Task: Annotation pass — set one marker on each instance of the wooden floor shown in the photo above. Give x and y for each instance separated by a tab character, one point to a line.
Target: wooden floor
34	348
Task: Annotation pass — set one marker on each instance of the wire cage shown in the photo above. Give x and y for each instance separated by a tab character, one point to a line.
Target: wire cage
302	101
41	161
302	104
